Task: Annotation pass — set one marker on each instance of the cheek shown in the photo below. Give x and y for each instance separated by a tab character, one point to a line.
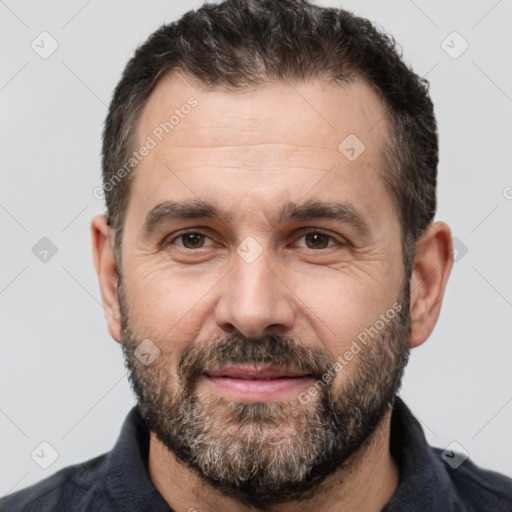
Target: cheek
340	307
166	305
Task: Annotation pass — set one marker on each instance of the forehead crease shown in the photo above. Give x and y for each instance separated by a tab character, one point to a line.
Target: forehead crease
264	157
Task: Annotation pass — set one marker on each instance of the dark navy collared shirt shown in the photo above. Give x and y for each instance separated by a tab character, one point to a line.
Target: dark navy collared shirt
119	480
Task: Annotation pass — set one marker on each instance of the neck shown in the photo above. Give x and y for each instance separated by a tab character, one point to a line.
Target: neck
367	482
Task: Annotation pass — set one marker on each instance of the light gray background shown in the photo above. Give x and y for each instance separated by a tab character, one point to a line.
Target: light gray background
62	378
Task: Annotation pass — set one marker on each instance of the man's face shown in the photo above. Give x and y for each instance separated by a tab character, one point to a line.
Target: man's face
252	307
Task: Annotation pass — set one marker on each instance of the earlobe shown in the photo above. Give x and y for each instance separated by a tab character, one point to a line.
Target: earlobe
106	270
433	262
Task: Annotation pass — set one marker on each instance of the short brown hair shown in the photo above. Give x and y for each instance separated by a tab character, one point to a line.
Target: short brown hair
239	43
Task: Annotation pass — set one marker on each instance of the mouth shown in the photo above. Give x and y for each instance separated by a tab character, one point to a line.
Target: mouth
254	383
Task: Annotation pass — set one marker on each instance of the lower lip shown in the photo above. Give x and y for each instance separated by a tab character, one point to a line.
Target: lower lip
258	390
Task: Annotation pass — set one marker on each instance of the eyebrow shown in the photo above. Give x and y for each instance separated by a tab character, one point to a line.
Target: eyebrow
308	210
182	210
313	209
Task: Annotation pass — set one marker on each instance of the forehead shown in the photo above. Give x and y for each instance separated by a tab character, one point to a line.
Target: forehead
319	113
279	139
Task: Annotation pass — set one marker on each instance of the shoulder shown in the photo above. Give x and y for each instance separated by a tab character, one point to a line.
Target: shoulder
478	488
74	485
433	478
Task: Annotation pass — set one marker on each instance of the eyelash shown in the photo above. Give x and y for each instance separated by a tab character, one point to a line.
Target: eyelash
339	242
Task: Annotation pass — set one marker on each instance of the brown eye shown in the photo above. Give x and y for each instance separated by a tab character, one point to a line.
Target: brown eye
191	240
317	240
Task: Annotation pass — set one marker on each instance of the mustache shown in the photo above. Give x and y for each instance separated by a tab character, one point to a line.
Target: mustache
279	351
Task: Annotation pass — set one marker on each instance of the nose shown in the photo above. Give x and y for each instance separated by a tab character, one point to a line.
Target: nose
255	301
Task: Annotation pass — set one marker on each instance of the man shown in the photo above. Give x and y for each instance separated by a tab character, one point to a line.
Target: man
267	260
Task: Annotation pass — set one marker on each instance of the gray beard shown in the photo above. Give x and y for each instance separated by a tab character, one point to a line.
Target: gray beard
268	453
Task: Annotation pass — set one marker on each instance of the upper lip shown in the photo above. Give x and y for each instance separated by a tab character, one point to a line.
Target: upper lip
254	372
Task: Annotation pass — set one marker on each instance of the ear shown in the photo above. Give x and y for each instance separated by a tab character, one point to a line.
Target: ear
104	262
433	262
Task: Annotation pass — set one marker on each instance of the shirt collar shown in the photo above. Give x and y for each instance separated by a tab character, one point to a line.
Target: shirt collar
128	477
424	483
